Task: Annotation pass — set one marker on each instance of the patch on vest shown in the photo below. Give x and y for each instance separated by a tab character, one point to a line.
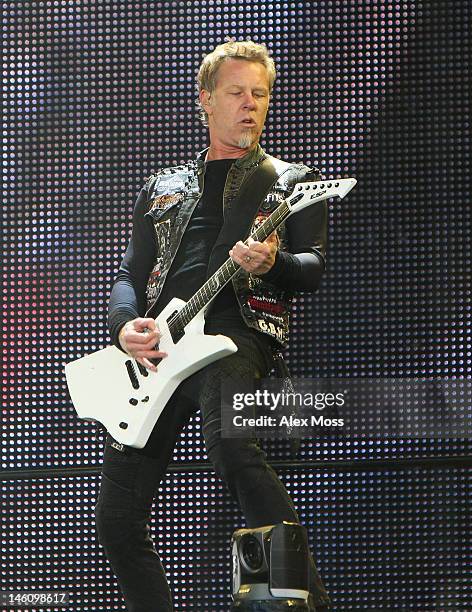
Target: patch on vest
164	201
153	283
266	304
273	200
271	328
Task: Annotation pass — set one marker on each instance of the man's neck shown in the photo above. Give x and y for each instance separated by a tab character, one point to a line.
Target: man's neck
221	151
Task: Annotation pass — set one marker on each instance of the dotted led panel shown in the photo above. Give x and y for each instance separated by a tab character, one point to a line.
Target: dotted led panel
97	95
89	115
350	515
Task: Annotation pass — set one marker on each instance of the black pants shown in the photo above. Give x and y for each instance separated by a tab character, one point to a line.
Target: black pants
130	479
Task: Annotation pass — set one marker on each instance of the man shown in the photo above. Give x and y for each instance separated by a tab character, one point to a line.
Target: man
186	221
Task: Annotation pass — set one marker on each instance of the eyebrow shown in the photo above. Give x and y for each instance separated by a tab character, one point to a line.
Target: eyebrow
236	86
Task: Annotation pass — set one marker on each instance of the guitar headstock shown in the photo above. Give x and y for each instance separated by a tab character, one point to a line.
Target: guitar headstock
305	194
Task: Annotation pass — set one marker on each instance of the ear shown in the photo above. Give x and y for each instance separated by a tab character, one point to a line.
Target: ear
205	100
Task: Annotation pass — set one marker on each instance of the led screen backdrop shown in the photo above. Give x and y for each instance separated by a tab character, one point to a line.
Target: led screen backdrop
97	95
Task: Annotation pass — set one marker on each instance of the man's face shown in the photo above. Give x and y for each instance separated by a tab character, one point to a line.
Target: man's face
237	107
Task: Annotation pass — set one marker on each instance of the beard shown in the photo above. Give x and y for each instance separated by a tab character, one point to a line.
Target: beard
247	139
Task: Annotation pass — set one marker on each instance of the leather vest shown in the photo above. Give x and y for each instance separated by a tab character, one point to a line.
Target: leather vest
173	195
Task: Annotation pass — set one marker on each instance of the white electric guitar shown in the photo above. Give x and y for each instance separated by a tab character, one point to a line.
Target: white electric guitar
111	387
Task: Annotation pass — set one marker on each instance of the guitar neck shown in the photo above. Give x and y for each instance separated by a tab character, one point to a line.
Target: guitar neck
223	275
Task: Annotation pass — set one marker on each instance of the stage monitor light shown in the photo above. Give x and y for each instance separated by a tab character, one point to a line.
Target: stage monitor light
270	564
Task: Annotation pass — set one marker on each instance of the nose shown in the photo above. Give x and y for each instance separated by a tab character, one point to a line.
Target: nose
249	102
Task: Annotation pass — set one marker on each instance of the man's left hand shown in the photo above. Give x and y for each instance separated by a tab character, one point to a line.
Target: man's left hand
256	257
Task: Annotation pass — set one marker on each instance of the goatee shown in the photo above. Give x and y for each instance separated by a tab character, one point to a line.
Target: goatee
246	141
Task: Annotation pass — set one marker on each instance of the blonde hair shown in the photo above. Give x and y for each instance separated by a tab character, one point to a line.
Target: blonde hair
244	50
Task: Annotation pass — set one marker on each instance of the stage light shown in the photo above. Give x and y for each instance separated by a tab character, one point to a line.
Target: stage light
270	568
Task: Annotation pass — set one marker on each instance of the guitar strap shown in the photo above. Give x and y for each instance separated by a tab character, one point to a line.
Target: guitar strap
242	210
247	204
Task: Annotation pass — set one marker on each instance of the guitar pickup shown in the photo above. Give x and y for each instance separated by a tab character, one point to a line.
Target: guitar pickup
143	371
132	374
176	332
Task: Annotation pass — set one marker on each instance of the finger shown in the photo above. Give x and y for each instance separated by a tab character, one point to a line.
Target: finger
249	266
236	256
139	347
147	333
264	248
141	324
147	364
272	237
238	247
151	354
150	336
273	243
141	340
244	263
258	247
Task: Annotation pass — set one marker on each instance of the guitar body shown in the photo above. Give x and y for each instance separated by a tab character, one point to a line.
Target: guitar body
109	386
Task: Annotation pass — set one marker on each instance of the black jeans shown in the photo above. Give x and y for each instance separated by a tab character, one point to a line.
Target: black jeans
131	477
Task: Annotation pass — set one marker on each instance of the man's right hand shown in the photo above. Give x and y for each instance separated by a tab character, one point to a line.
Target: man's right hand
139	338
